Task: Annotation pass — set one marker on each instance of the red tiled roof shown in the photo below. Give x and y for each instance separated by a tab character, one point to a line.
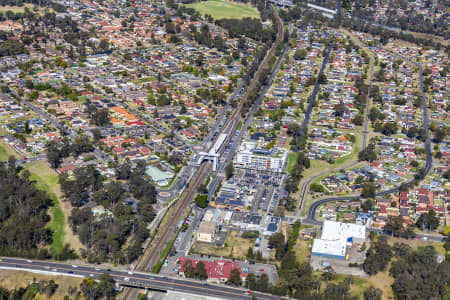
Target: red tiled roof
382	209
404	196
118	149
423	192
135	123
218	269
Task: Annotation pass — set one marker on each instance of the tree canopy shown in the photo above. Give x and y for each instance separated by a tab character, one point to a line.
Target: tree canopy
418	275
23	214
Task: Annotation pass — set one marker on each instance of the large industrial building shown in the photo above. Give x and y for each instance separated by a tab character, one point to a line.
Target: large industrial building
336	237
251	157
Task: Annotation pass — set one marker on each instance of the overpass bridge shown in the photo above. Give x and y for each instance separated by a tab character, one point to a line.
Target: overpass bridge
132	279
283	3
213	155
323	9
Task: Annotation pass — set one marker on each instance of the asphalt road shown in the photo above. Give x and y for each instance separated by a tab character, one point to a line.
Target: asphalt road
225	159
305	187
182	244
428	163
312	98
366	115
136	279
338	7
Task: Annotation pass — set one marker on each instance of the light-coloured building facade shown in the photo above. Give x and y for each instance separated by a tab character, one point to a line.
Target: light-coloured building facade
206	232
251	157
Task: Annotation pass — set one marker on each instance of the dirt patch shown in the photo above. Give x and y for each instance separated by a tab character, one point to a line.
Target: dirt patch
284	230
415	243
235	247
69	236
210	249
11	279
303	251
383	281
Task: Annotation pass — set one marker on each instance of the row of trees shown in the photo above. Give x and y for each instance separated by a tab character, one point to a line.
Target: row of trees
368	153
248	27
268	36
410	20
11	48
197	272
301	163
310	16
57	151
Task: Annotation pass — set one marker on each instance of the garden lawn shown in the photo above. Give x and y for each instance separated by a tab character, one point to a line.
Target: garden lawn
6	151
221	9
292	162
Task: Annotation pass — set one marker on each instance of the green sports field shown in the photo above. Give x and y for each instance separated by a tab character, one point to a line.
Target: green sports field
220	9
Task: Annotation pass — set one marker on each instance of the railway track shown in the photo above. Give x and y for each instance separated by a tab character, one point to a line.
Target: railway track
153	253
169	229
237	112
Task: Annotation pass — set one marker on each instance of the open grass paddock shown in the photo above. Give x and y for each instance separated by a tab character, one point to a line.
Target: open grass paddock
221	9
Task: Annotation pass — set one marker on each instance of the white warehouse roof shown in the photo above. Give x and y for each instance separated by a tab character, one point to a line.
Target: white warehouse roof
329	248
333	231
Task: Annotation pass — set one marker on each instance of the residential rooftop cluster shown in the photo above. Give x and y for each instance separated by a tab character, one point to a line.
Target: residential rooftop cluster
150	113
151	98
